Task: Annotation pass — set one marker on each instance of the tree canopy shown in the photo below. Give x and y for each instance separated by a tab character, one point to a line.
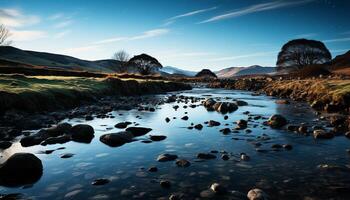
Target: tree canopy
299	53
145	64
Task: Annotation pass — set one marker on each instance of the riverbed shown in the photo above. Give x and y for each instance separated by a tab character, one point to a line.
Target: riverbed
295	173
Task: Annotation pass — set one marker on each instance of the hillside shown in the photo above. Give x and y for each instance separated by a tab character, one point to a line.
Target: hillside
175	70
341	61
57	61
242	71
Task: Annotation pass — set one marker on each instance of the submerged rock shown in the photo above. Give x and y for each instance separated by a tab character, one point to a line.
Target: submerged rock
218	188
198	126
157	137
101	181
122	125
20	169
213	123
206	156
183	163
165	184
322	134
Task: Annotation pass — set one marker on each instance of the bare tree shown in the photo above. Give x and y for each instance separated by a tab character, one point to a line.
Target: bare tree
121	55
4	35
300	53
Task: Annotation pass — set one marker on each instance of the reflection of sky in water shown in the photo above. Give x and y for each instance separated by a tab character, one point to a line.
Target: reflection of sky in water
273	171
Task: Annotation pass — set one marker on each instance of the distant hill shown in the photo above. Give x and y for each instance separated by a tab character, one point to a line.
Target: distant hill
242	71
177	71
57	61
206	73
341	61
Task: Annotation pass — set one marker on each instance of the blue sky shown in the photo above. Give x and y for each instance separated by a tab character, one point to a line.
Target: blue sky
190	34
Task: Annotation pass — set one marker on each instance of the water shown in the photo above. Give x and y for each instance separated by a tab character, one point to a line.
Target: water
282	174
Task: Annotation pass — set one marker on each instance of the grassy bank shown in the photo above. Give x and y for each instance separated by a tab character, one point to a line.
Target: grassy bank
29	93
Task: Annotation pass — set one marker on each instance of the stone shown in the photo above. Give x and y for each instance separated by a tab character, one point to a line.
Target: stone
277	121
82	133
225	131
67	155
322	134
183	163
213	123
101	181
244	157
122	125
157	137
20	169
225	157
185	118
206	156
218	188
117	139
165	184
138	131
198	126
5	145
166	157
257	194
153	169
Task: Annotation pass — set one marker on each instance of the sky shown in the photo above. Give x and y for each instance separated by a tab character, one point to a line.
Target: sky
189	34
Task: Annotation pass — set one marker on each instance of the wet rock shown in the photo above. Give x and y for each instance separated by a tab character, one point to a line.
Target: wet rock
244	157
218	188
5	145
282	101
153	169
157	137
257	194
287	146
206	156
322	134
67	155
213	123
165	184
209	102
303	129
277	121
20	169
347	134
292	128
225	157
88	118
32	140
185	118
82	133
225	131
57	140
167	120
122	125
183	163
226	107
198	126
138	131
242	124
241	103
117	139
101	181
59	129
276	146
225	117
166	157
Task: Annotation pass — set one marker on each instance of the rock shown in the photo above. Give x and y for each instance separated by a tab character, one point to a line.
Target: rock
88	118
32	140
276	146
241	103
183	163
226	107
242	124
287	146
225	117
82	133
244	157
167	120
292	128
225	157
138	131
175	197
257	194
101	181
157	137
67	155
322	134
209	102
153	169
206	156
165	184
218	188
59	129
213	123
5	145
166	157
277	121
225	131
198	126
20	169
117	139
185	118
281	101
122	125
57	140
303	129
347	134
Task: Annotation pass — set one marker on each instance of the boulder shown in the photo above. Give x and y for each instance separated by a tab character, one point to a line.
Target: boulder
277	121
322	134
206	156
138	131
20	169
257	194
122	125
157	137
82	133
166	157
117	139
209	102
183	163
5	144
218	188
213	123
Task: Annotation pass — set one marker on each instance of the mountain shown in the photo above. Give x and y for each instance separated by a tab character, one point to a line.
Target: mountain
175	70
341	61
206	73
242	71
57	61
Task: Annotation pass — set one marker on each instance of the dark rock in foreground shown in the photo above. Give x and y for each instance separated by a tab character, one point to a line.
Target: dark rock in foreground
117	139
20	169
82	133
138	131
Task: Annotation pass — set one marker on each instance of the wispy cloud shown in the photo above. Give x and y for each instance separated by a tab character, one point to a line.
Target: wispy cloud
61	34
15	18
256	8
144	35
56	16
27	35
80	49
258	54
306	35
63	24
346	39
171	20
